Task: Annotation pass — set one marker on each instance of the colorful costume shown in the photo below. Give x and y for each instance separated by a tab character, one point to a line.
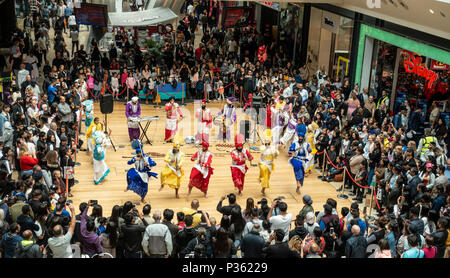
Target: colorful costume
172	172
310	140
229	118
204	120
173	111
138	177
202	171
266	165
89	112
281	119
90	134
238	165
101	170
290	130
133	110
298	160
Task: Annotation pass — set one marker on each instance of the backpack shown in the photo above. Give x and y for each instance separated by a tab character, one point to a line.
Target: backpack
198	252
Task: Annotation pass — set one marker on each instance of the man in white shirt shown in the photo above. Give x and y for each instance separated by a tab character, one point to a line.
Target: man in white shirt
157	239
190	9
287	91
60	243
303	92
281	221
22	75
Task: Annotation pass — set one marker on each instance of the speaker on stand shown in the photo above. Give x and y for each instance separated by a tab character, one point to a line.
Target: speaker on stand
107	107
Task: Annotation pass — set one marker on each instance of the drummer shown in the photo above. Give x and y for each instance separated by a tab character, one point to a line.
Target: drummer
228	116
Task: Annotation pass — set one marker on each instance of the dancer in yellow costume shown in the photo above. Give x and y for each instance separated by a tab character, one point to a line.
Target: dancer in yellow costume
172	172
95	125
266	165
310	140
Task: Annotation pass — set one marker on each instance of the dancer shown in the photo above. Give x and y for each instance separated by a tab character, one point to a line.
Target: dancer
299	151
172	172
310	140
96	125
238	166
266	165
133	110
202	171
89	112
281	119
229	118
138	177
173	113
290	130
101	170
204	120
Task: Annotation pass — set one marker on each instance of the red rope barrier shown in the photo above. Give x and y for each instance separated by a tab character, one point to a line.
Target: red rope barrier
116	95
355	181
224	87
339	168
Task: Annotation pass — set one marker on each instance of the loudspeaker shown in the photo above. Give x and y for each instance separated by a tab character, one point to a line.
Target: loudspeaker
244	128
106	104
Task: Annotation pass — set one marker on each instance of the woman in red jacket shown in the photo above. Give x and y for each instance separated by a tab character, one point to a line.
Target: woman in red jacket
27	162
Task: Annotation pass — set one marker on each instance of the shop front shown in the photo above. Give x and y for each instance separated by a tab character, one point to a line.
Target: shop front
329	43
403	67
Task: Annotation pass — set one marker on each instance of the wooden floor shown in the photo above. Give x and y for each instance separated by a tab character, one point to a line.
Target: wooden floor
111	191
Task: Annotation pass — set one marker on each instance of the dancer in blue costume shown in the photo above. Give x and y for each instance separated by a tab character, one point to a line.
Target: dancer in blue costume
138	177
299	151
101	170
89	112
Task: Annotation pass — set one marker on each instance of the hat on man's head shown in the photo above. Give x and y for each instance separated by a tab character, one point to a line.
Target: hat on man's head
307	200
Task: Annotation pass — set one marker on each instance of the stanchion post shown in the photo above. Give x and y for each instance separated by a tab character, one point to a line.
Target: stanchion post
183	92
342	195
371	201
323	164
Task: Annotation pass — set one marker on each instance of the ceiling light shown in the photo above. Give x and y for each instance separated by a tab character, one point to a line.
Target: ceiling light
445	1
431	11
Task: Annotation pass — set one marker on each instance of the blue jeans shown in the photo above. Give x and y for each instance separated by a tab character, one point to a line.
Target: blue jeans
237	244
28	172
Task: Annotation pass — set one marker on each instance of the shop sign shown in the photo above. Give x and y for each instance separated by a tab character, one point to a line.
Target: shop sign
436	65
270	4
412	65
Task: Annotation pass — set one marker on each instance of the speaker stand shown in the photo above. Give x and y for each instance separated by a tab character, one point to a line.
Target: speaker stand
106	131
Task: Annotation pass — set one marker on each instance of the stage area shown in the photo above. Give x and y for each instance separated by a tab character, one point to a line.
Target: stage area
111	191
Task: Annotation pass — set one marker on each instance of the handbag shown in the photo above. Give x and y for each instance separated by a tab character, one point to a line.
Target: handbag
338	177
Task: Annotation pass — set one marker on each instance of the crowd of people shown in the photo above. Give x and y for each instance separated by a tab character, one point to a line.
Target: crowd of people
402	160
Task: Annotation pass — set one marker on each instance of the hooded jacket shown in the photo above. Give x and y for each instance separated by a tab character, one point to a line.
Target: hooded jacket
183	237
9	243
28	249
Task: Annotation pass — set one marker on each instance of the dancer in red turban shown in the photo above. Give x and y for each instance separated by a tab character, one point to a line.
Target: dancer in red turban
202	171
238	166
